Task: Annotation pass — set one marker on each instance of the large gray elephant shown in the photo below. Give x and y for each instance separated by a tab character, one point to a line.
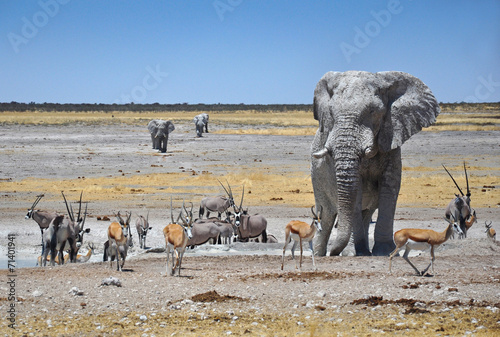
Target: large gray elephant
201	122
364	118
159	130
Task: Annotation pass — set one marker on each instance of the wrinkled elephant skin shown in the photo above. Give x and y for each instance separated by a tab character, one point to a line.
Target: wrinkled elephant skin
364	118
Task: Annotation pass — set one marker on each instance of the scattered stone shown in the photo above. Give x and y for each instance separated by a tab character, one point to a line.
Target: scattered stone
75	291
143	318
111	281
37	293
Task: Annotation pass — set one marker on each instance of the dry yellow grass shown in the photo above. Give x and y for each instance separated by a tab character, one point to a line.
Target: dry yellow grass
420	187
276	123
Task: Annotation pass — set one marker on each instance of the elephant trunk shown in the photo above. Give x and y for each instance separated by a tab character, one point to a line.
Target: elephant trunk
348	186
347	151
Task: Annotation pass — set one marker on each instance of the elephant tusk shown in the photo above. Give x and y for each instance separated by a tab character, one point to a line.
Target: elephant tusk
321	153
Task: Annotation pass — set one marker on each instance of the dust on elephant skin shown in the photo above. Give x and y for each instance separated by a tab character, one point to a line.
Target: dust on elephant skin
364	118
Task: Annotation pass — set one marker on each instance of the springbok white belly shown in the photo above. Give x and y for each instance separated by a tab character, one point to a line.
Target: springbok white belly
296	237
414	245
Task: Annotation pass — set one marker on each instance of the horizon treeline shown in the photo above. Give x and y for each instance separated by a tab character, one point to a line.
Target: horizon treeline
157	107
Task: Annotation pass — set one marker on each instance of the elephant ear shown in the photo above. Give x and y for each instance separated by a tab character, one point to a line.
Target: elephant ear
171	127
411	106
322	95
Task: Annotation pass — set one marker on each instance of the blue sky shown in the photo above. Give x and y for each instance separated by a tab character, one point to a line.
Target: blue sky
240	51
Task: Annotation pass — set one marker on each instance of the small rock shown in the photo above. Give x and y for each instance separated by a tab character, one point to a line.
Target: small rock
321	294
310	304
75	291
111	281
37	293
143	318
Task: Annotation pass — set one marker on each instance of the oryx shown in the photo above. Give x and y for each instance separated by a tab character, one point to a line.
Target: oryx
459	207
217	204
247	226
71	231
202	232
49	241
42	218
142	226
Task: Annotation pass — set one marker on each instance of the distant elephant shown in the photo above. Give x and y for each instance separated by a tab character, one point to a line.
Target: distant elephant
159	130
364	118
201	122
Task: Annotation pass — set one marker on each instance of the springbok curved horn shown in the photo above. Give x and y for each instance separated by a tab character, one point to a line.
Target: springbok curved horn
462	193
119	217
467	181
312	211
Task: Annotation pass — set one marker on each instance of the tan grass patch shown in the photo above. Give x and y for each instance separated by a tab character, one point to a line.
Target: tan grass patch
446	121
290	118
426	187
420	187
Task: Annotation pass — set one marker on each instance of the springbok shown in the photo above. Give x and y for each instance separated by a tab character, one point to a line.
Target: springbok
421	239
42	218
110	251
490	232
142	226
247	226
70	232
79	258
469	222
299	232
176	239
117	236
459	207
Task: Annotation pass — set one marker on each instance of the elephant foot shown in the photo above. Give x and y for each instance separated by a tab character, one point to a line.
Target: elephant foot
335	252
362	248
383	248
320	251
363	253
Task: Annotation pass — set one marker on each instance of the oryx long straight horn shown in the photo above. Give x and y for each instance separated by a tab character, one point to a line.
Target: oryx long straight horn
467	181
462	193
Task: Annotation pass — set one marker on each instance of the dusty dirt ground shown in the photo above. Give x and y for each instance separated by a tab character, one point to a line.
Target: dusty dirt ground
235	289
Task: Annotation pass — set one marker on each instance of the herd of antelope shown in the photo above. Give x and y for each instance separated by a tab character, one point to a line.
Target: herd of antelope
64	233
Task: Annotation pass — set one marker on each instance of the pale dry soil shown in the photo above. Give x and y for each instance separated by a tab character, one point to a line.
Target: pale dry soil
235	289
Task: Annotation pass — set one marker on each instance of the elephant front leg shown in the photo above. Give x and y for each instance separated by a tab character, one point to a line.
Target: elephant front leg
361	238
164	142
321	238
388	197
